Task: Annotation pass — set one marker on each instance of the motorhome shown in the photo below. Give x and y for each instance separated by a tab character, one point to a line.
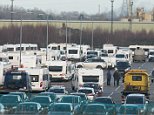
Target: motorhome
40	79
62	70
83	76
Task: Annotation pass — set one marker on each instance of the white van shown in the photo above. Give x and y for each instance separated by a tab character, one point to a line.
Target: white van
39	78
62	70
84	75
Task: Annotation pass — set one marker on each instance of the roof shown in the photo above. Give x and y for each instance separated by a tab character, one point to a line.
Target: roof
136	94
88	88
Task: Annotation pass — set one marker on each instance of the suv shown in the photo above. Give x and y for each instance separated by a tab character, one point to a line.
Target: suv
17	80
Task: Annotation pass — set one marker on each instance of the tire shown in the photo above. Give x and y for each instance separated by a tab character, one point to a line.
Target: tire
99	67
79	66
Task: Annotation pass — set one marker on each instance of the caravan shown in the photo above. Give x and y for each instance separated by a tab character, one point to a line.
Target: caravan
83	76
39	78
61	70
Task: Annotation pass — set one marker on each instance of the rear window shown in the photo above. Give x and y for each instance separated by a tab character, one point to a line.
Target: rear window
136	78
34	78
86	91
55	68
90	78
120	56
73	51
110	51
134	100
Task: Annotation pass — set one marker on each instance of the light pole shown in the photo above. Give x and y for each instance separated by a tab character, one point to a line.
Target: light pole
92	35
66	34
81	18
47	33
12	10
131	14
20	38
112	18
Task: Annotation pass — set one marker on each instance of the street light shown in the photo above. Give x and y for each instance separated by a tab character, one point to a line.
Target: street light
130	17
92	36
112	18
81	18
66	37
47	33
12	10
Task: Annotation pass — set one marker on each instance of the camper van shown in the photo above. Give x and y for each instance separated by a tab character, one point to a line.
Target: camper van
110	48
39	78
61	70
83	76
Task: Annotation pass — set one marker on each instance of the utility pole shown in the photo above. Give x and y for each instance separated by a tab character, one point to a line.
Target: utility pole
130	16
92	35
66	34
112	18
81	18
12	10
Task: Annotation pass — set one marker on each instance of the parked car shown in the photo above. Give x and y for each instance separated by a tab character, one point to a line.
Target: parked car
45	101
73	99
23	95
108	102
82	95
10	102
95	109
29	108
61	109
88	91
50	94
129	109
97	88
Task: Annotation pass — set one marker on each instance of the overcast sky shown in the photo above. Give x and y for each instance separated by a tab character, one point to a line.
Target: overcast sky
87	6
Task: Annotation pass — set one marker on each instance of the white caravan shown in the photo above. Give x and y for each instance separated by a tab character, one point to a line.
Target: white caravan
39	78
83	75
110	48
74	53
61	70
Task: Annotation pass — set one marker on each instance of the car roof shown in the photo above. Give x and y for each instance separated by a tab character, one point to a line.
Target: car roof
104	97
136	95
76	93
86	88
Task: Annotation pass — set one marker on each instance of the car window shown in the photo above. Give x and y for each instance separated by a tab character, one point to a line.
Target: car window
134	100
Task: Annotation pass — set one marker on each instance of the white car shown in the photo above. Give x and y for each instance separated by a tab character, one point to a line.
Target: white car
92	63
88	91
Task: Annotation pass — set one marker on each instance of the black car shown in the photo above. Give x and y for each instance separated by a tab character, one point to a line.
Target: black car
122	67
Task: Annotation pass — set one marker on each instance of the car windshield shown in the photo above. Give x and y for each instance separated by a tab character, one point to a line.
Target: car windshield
103	100
69	99
62	108
44	100
9	99
86	91
95	108
129	110
134	100
122	64
95	86
58	90
55	68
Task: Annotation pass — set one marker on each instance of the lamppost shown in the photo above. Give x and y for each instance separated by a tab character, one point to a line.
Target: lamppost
131	15
12	10
92	35
112	18
81	18
47	33
66	34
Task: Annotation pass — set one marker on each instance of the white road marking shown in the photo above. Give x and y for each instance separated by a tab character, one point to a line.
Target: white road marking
114	91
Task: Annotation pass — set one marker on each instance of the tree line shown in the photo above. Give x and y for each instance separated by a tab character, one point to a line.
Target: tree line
37	34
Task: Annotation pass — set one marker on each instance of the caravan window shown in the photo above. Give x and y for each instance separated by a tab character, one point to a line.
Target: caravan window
90	78
10	49
110	51
34	78
55	68
11	57
73	51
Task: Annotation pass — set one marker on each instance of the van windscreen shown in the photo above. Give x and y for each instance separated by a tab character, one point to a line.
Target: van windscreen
90	78
55	68
34	78
136	78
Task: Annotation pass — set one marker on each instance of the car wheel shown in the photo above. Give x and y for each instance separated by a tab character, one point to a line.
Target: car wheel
99	67
79	66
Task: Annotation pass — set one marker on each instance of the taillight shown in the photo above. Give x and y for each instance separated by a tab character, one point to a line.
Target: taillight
80	85
62	74
41	84
91	94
